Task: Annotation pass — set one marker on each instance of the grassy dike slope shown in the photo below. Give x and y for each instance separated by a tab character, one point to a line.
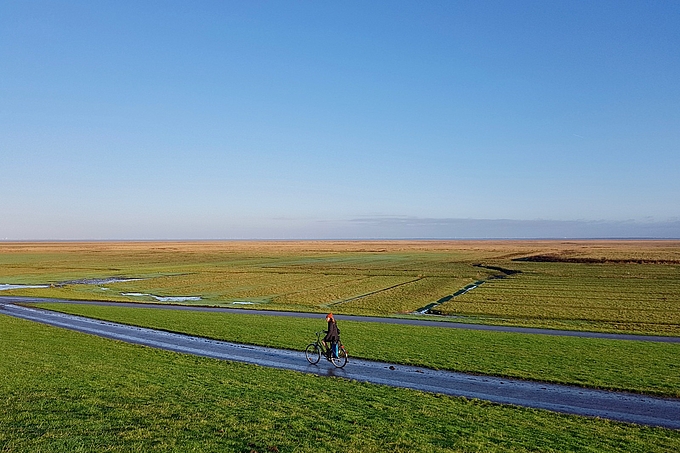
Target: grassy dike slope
66	391
613	364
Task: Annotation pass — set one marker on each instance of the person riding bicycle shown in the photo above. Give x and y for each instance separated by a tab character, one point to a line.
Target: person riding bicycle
332	335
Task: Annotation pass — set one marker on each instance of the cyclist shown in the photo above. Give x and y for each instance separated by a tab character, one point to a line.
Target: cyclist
332	335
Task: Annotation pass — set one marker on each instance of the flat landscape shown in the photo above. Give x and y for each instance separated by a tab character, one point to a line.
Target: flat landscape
618	286
54	380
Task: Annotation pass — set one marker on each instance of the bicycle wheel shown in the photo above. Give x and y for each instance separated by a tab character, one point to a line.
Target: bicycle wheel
341	360
313	353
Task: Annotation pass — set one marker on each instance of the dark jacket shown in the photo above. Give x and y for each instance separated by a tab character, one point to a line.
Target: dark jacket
333	333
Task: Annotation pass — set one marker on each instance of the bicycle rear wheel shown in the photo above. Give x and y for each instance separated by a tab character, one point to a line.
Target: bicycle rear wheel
313	353
341	360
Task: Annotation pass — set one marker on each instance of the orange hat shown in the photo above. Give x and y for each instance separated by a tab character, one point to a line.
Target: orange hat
329	316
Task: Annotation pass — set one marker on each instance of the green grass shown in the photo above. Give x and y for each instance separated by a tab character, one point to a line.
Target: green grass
383	278
307	279
612	297
613	364
64	391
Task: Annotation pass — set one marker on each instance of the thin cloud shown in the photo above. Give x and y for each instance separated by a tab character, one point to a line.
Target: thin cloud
506	228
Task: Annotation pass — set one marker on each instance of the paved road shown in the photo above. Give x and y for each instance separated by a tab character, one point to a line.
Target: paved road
626	407
409	321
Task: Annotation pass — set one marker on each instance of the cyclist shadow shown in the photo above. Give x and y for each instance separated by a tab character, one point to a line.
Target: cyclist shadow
328	371
334	372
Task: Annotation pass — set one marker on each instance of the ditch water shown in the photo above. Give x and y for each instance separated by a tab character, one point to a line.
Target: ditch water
6	287
102	281
426	309
164	298
504	273
84	281
98	281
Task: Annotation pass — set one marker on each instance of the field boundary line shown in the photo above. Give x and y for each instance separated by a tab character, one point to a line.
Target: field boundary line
332	304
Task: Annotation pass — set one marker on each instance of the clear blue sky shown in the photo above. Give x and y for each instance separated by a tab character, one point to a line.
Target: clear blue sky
200	120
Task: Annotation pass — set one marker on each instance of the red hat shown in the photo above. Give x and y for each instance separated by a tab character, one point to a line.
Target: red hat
329	316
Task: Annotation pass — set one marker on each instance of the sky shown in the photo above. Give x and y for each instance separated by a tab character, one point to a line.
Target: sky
339	120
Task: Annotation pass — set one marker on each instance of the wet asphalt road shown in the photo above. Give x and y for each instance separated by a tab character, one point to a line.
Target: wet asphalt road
620	406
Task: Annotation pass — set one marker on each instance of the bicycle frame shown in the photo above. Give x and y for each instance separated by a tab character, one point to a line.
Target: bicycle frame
325	351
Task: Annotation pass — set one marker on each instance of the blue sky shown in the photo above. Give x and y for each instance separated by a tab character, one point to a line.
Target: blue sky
286	120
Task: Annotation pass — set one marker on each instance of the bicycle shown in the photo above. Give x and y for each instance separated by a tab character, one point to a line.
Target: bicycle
313	352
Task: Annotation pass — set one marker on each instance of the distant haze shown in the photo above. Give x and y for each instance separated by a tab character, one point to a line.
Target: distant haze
367	228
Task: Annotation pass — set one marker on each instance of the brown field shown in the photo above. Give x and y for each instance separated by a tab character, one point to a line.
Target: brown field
475	249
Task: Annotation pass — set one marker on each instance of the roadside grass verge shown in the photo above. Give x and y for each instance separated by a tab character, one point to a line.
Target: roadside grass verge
644	367
67	391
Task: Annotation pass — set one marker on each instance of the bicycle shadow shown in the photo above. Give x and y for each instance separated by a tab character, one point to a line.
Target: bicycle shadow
327	370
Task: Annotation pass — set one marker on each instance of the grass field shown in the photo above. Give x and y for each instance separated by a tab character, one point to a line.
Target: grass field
65	391
625	286
643	367
348	277
613	297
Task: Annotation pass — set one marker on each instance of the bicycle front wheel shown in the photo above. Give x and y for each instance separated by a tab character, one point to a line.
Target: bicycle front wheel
313	353
341	360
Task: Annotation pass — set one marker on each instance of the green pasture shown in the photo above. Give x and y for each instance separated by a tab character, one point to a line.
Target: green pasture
612	364
638	291
357	282
638	298
64	391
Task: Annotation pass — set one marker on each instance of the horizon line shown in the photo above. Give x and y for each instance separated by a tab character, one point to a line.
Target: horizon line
381	239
